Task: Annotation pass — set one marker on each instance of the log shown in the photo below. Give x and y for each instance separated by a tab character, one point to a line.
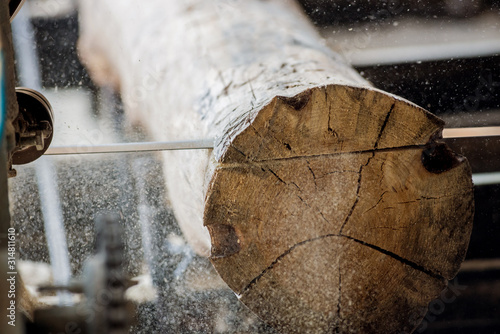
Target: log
331	206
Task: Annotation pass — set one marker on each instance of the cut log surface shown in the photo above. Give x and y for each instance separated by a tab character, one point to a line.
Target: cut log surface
331	205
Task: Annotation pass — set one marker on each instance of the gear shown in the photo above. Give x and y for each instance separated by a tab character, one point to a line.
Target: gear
105	282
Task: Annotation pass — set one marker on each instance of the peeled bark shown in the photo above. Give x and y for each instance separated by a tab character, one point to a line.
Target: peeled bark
331	205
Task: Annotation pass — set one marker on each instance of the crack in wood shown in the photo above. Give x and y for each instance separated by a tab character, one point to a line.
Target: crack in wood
378	202
436	275
346	220
312	173
391	228
261	144
381	150
271	266
430	198
279	178
238	150
330	129
301	199
384	124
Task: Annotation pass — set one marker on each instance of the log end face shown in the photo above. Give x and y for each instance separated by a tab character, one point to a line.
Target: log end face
349	294
327	192
331	119
256	212
419	208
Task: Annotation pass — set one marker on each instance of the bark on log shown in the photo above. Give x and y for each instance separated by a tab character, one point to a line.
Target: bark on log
331	205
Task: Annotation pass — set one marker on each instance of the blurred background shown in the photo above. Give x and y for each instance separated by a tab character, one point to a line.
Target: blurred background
442	55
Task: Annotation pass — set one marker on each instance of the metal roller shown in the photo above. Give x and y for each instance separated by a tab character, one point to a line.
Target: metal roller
34	126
